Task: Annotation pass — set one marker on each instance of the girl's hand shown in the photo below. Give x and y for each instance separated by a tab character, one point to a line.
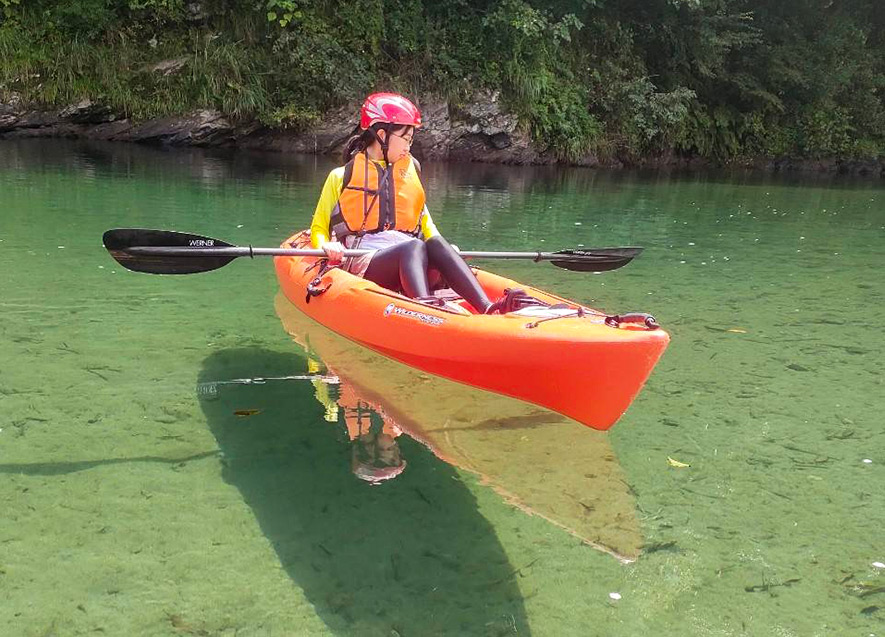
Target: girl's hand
334	251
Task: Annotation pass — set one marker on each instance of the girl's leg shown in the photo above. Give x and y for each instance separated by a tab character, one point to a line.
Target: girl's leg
403	266
442	256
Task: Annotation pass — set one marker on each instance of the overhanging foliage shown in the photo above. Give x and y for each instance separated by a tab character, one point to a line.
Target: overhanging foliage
630	78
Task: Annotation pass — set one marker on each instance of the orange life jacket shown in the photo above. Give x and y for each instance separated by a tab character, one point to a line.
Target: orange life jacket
397	207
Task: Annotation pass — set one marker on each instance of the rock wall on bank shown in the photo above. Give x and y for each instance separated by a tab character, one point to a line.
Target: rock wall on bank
481	131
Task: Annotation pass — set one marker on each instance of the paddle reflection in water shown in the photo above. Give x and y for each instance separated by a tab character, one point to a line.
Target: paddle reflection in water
538	460
411	557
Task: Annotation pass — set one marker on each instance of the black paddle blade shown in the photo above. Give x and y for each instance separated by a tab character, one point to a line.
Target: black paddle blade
596	260
119	240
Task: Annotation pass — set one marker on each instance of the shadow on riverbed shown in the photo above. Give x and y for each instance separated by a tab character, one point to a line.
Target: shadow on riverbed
412	556
64	468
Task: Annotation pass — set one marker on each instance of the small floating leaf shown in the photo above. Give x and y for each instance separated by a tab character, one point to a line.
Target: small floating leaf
736	330
246	412
676	463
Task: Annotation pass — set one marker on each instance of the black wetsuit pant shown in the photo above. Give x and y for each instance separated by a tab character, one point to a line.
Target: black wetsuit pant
405	266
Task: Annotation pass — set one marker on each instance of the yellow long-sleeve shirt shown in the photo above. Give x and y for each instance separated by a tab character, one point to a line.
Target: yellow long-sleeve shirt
320	225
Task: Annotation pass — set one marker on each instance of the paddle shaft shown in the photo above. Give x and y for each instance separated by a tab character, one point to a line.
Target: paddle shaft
240	251
168	252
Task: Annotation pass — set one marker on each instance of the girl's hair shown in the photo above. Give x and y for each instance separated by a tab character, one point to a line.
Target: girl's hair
362	139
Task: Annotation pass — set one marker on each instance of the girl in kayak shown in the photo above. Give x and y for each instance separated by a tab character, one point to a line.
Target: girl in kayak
376	202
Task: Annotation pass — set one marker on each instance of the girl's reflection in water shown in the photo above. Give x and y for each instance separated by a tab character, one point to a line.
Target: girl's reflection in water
375	454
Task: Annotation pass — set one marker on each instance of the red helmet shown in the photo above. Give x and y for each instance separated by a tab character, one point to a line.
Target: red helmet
377	475
389	107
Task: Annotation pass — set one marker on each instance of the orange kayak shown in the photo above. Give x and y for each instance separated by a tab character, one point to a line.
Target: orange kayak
565	358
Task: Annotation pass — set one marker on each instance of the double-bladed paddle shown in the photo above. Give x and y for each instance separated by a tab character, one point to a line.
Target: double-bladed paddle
167	252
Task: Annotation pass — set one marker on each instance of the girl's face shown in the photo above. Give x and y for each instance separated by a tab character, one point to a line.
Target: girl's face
399	143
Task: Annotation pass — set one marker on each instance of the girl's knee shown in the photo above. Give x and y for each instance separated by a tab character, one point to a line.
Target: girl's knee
440	251
415	245
415	249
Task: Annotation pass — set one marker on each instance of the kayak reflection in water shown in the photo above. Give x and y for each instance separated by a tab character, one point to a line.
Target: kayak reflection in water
376	202
541	462
375	454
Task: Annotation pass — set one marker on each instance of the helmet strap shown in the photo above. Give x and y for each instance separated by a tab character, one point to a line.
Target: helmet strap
387	127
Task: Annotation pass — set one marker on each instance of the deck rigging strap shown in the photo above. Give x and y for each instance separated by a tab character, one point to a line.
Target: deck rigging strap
633	318
315	287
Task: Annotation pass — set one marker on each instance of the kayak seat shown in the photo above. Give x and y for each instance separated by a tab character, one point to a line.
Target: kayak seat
447	294
447	299
453	301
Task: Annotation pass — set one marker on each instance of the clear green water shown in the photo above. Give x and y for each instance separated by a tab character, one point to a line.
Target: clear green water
130	506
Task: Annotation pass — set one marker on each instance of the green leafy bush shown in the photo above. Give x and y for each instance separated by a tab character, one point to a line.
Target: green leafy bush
722	79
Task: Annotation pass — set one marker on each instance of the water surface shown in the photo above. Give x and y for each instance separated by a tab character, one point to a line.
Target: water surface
133	504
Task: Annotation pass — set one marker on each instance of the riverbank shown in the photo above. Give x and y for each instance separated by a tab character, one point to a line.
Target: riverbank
481	131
